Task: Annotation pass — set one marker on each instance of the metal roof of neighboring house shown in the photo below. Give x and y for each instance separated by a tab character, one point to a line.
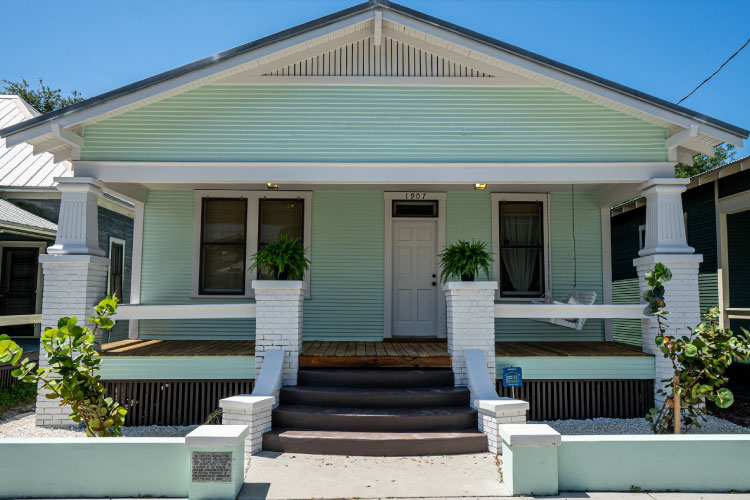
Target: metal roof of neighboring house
19	166
203	65
17	218
725	170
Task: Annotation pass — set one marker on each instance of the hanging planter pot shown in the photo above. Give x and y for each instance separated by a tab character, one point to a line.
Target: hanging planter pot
464	260
468	277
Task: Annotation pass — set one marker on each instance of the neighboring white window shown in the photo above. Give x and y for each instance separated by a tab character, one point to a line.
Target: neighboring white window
520	244
685	218
230	226
642	236
116	272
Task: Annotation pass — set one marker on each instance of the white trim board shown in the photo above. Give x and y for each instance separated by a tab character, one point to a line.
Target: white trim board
251	243
42	246
389	197
496	198
373	173
136	264
115	240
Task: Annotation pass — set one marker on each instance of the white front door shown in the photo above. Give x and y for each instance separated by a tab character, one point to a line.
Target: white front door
415	290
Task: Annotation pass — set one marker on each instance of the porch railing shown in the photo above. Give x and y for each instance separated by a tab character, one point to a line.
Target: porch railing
185	311
595	311
20	319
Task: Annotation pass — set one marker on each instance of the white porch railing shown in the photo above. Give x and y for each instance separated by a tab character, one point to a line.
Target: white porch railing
185	311
738	312
540	311
20	319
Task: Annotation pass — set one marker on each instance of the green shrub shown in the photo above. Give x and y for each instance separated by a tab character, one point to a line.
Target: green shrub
699	360
72	375
464	260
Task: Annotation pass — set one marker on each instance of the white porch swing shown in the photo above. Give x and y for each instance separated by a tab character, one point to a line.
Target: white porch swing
574	297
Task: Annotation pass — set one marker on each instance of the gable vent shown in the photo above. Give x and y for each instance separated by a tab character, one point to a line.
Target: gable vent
390	58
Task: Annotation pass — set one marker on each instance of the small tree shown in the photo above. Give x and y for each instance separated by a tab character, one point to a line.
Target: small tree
699	360
43	98
72	375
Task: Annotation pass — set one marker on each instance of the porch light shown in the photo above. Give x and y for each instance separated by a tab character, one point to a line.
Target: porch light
273	186
480	186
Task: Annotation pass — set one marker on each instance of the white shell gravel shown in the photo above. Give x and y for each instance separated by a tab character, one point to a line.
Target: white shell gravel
713	425
24	426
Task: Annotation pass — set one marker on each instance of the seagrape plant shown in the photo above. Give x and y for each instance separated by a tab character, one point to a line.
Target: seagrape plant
72	372
699	359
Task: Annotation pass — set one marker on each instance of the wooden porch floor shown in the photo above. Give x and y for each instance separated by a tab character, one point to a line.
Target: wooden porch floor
391	353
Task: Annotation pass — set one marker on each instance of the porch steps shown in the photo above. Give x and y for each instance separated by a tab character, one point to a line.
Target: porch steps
375	412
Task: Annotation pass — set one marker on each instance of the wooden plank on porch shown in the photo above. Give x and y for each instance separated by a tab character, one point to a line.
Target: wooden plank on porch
553	349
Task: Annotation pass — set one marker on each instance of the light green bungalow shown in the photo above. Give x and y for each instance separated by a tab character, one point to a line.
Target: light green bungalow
377	135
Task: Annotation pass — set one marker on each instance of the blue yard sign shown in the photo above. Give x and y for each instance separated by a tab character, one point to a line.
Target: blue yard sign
512	376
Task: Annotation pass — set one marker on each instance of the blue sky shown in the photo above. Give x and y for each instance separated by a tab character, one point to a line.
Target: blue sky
661	47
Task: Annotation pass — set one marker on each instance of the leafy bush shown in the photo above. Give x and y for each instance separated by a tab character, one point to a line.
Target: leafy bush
699	359
71	375
284	259
464	260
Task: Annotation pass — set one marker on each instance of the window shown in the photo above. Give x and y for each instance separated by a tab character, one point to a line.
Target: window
520	245
521	249
277	217
116	267
415	209
223	244
231	225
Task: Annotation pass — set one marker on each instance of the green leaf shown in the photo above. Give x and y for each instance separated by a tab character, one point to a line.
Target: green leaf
690	350
724	398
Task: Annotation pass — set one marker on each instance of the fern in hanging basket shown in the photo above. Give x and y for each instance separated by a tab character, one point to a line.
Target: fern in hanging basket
464	260
283	260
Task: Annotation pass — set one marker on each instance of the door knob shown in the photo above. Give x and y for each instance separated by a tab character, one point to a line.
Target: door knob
434	283
434	275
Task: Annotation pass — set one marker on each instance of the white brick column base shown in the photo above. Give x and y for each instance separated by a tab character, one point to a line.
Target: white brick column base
493	413
73	285
252	411
682	302
470	313
278	323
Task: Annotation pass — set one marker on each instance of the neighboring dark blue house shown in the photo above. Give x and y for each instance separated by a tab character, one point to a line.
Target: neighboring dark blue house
29	208
717	221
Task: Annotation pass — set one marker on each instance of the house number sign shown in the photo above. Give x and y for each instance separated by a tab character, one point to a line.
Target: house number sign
415	196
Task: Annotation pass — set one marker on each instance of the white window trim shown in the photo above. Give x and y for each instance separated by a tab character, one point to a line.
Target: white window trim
496	198
253	198
641	236
389	197
113	239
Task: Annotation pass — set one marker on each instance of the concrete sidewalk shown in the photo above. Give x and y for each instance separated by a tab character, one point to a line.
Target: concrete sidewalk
276	476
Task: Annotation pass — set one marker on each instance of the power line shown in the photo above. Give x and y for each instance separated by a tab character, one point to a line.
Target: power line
714	73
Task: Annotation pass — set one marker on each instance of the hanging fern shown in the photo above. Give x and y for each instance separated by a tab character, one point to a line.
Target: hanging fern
284	259
464	260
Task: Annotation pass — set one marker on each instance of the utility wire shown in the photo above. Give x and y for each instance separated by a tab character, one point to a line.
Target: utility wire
714	73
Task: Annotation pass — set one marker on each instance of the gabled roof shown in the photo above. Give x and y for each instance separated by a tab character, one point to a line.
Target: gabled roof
693	131
19	166
18	219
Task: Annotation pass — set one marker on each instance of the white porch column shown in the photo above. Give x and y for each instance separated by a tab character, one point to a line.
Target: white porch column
278	323
666	243
75	273
470	308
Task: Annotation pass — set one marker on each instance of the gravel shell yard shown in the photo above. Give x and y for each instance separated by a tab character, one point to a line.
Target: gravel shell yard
23	426
713	425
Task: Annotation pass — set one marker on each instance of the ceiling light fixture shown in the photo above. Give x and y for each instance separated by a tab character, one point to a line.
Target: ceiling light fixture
272	186
480	186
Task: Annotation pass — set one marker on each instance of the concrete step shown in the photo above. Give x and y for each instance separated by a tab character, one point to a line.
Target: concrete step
374	419
374	444
354	397
375	378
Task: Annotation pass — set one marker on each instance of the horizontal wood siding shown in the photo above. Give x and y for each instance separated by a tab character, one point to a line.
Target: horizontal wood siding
581	367
347	254
626	330
589	269
167	271
177	367
708	290
626	242
374	123
701	224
